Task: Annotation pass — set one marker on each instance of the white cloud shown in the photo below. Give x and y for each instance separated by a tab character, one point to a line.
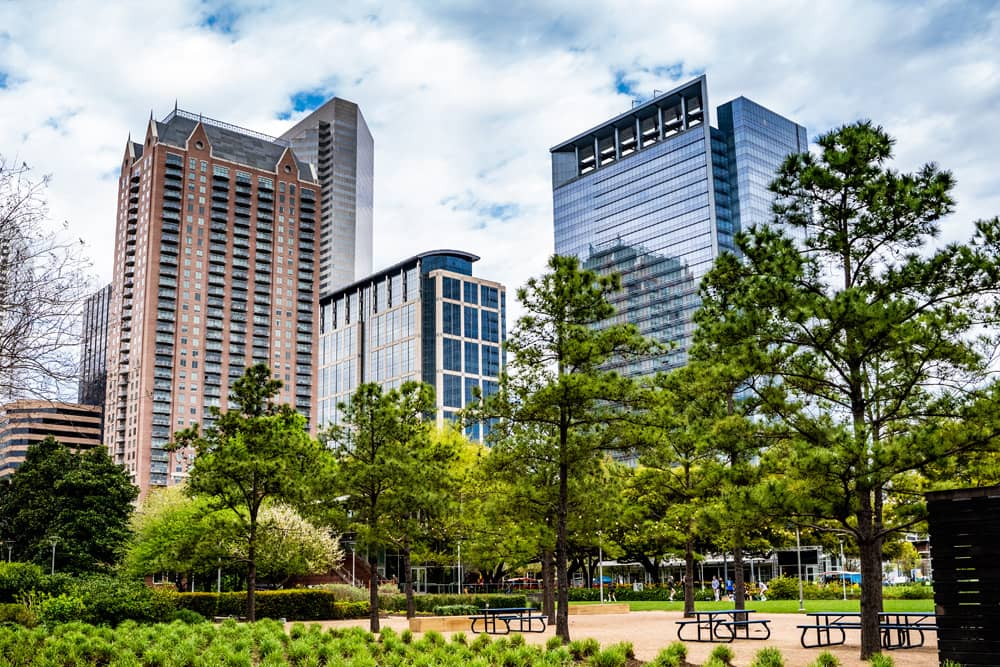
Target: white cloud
465	103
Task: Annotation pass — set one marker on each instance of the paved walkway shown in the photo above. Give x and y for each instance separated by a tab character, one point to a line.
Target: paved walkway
652	631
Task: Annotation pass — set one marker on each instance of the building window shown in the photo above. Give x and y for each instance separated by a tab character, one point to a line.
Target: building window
452	355
472	358
471	290
452	391
491	327
491	360
451	288
451	320
490	298
471	322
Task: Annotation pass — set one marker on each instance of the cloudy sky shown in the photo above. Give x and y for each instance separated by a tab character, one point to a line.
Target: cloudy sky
464	99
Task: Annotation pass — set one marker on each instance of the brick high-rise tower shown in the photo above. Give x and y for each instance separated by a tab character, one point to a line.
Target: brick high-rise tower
215	270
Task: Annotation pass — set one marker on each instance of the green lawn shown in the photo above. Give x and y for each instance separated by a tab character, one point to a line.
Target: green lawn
784	606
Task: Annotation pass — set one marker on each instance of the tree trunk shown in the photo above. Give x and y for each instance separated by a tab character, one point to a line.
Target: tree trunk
739	584
373	588
651	567
870	547
688	578
548	586
562	580
252	572
411	608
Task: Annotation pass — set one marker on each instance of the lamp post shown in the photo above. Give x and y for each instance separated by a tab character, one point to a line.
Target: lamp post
10	548
843	579
53	541
600	564
798	557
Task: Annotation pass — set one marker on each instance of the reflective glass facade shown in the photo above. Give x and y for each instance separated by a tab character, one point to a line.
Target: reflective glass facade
657	193
425	319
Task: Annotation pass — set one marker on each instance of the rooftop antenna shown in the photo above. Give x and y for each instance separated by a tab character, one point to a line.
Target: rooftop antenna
657	93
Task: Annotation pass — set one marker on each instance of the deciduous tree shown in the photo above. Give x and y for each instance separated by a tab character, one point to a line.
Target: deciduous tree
254	452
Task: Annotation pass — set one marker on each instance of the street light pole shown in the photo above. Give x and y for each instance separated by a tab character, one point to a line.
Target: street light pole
843	579
798	557
53	540
600	566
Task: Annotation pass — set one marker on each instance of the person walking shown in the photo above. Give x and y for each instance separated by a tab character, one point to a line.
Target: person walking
763	590
715	587
730	590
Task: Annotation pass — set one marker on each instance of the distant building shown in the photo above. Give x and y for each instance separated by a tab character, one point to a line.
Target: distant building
215	264
656	194
425	319
24	423
93	351
335	138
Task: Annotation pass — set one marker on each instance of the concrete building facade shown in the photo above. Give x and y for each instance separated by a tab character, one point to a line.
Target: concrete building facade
24	423
215	270
336	139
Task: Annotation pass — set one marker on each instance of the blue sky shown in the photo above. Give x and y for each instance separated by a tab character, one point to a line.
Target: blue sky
465	99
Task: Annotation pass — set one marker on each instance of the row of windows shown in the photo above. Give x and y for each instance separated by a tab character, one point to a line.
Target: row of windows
457	290
452	320
452	390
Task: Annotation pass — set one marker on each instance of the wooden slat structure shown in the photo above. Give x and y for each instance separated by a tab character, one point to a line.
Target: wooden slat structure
965	547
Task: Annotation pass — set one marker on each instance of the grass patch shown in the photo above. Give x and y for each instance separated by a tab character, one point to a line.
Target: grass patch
786	606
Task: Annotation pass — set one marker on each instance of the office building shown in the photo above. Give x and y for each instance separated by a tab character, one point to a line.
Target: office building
656	194
215	263
25	423
335	138
93	350
425	319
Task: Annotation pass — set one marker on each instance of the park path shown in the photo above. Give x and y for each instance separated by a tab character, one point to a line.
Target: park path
652	631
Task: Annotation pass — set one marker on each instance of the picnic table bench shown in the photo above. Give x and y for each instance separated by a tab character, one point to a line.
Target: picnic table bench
503	620
898	629
724	625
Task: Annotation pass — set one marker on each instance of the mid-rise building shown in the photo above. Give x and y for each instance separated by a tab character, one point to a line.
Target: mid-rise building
25	423
425	319
335	138
215	264
656	194
94	348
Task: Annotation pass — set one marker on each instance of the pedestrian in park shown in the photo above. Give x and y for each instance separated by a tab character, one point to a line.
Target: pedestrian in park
670	585
611	592
730	590
763	590
715	587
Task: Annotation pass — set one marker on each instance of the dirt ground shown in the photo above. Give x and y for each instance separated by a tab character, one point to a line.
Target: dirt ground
652	631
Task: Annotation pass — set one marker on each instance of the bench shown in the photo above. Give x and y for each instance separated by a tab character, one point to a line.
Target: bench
896	633
512	619
734	626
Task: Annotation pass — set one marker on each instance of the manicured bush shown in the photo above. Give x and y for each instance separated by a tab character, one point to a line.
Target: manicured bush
111	600
455	610
768	657
60	609
787	588
723	654
295	605
17	578
826	659
908	592
880	660
583	648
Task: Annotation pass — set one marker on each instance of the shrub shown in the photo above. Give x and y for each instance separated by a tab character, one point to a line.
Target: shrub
612	656
344	592
110	600
18	613
583	648
294	605
908	592
553	643
455	610
880	660
723	654
60	609
768	657
17	578
188	617
826	659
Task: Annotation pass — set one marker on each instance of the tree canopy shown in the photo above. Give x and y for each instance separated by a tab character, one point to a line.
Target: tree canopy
254	452
80	499
868	346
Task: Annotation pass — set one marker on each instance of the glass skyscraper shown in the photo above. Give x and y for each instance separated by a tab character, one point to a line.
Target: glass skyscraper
656	194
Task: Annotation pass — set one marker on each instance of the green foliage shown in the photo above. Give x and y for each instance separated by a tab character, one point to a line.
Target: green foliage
256	451
82	499
723	654
295	604
787	588
826	659
60	609
455	610
188	616
613	656
15	612
16	578
553	643
908	592
111	600
672	656
768	657
583	648
880	660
